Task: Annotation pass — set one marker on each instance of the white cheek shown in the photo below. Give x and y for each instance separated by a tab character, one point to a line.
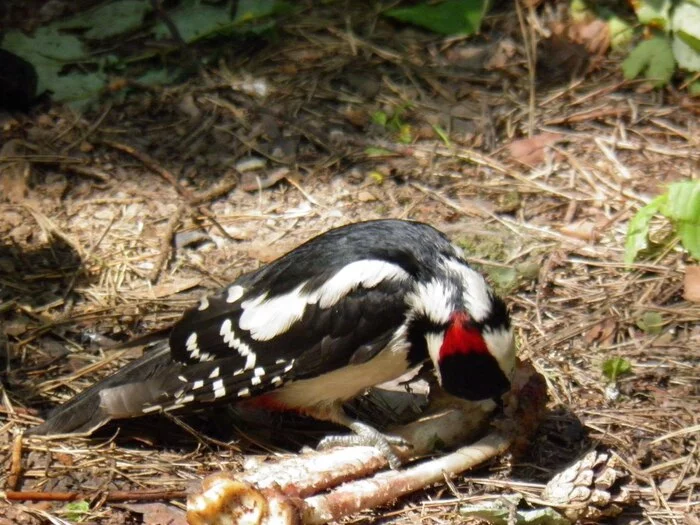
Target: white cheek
434	342
502	347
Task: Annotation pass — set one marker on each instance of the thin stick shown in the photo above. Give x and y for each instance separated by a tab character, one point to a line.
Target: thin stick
112	496
166	242
152	165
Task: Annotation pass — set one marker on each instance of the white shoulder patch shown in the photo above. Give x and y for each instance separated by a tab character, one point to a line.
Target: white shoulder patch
367	273
266	318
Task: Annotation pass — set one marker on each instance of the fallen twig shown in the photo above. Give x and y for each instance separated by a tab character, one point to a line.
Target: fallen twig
166	242
112	496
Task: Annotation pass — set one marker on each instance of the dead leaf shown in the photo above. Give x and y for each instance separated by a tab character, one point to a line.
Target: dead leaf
18	326
158	513
593	35
582	229
252	182
64	459
691	284
503	55
602	333
530	151
366	196
356	117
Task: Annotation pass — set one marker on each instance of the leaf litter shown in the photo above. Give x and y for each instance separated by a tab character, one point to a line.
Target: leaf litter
86	230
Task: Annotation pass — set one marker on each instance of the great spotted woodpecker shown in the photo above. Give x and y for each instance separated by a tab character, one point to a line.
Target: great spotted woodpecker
352	308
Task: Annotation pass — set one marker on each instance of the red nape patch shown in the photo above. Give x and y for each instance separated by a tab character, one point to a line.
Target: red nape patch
461	338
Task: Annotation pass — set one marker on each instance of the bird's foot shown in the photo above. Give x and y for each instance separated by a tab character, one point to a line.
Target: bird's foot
368	436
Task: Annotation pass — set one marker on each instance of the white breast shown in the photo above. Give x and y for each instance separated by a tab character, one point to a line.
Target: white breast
319	395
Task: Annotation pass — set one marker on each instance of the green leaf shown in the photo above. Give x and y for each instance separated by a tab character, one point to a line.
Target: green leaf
694	88
638	229
50	51
683	208
506	511
75	510
686	37
110	19
683	203
615	367
447	18
196	21
46	46
651	322
405	134
443	135
580	11
251	10
379	152
686	18
653	12
380	118
621	32
159	77
654	58
685	51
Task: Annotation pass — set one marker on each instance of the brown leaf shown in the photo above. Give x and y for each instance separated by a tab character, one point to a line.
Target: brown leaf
593	35
582	229
366	196
158	513
602	333
64	459
251	182
531	150
691	284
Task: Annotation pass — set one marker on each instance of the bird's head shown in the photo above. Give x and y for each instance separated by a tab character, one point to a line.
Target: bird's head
468	333
474	361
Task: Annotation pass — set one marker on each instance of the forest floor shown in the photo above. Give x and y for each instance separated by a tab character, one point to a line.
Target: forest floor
115	221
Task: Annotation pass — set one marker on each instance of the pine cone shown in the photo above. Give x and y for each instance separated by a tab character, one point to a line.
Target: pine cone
593	488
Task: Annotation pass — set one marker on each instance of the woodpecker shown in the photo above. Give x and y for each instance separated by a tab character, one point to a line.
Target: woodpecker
352	308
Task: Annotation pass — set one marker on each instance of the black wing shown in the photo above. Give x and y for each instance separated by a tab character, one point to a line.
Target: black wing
237	365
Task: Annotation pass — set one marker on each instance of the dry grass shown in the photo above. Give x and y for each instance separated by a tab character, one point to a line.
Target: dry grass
89	225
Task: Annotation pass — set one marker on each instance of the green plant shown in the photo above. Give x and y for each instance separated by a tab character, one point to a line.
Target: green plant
449	17
75	510
616	367
75	70
681	206
672	38
395	124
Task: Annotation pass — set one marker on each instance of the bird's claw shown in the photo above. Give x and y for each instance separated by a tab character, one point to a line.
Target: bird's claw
367	436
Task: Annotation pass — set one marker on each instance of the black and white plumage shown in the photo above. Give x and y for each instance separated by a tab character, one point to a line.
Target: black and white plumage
352	308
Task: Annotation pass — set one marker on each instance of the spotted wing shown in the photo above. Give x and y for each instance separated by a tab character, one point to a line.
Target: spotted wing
254	343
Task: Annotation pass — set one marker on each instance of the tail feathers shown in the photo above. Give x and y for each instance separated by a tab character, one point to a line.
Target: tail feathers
122	395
